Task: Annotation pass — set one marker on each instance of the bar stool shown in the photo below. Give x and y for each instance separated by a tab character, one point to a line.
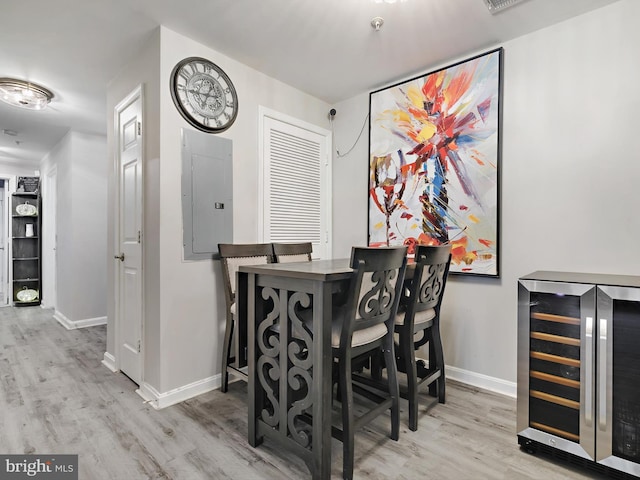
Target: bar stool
362	326
420	317
231	257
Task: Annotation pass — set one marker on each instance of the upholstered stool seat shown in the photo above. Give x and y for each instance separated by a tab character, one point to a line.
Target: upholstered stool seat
359	338
419	318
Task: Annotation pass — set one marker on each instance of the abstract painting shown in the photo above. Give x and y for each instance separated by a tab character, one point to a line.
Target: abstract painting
434	157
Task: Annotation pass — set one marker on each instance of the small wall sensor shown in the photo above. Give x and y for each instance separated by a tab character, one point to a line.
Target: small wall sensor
377	22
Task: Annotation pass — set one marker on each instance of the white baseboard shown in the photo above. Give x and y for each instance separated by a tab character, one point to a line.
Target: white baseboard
485	382
109	361
73	324
162	400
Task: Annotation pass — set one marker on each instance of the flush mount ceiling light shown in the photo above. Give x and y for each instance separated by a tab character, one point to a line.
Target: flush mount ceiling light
496	6
24	94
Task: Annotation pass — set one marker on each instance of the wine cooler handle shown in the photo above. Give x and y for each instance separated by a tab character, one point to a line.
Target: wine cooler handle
588	366
602	372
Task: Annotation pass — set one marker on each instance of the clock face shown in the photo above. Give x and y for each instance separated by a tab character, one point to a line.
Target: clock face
204	95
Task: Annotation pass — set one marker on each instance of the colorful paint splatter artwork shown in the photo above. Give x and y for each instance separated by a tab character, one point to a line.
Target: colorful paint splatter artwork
434	163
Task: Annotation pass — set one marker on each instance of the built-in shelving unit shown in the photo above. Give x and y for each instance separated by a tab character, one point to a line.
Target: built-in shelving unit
26	246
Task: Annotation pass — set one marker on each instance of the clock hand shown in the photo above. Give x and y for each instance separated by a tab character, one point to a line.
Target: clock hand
197	96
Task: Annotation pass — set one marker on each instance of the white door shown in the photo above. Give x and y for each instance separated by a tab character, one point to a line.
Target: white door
128	246
49	239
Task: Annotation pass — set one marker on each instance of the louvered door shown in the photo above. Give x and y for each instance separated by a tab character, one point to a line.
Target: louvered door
296	200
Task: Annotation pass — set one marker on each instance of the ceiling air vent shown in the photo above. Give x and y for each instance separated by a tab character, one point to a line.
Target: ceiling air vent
496	6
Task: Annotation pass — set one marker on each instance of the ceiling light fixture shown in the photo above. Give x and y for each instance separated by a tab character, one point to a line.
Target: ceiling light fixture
496	6
24	94
377	22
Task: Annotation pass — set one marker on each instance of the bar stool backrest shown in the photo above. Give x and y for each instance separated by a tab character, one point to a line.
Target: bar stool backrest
292	252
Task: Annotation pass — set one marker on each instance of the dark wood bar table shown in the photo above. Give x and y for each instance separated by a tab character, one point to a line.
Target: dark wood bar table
290	367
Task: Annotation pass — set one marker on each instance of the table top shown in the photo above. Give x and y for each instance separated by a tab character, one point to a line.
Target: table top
325	270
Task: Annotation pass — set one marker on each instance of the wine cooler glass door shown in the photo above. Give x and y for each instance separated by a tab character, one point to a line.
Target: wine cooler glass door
618	378
555	387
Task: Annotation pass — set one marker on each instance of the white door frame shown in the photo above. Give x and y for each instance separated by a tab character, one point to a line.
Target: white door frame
137	93
49	239
5	231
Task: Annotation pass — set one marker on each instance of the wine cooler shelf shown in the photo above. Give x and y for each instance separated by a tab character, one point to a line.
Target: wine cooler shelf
578	368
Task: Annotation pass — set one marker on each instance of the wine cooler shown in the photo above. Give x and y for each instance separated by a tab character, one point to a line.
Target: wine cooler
579	368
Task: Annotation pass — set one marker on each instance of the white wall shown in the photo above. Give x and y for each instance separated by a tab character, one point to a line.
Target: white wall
144	69
184	300
8	170
350	175
81	226
88	297
191	298
570	179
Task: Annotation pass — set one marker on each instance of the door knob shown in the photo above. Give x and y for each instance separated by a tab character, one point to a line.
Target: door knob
119	257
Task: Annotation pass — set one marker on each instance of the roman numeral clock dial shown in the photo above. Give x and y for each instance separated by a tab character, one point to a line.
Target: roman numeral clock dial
204	95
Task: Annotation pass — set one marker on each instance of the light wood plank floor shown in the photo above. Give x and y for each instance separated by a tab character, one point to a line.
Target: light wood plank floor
56	397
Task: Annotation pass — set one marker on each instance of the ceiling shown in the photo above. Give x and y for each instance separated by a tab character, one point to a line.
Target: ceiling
326	48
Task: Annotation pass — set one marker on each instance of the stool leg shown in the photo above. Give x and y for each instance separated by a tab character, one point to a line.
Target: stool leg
409	356
376	365
226	347
394	390
435	347
348	434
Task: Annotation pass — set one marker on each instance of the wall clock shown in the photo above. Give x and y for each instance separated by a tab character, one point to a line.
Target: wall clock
204	95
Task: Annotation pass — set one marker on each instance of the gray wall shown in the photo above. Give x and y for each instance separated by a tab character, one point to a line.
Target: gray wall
570	176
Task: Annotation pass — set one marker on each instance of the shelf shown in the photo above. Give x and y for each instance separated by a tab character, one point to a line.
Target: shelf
22	280
547	377
547	397
547	357
16	303
26	258
555	318
547	337
25	194
25	238
556	431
